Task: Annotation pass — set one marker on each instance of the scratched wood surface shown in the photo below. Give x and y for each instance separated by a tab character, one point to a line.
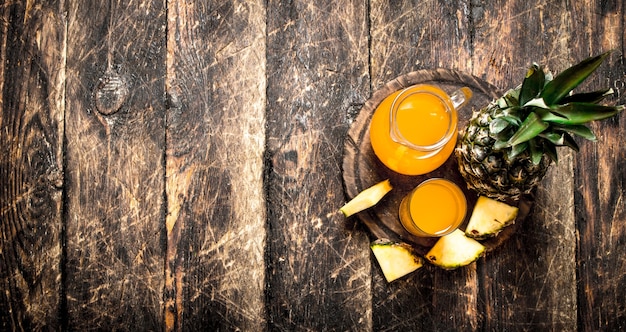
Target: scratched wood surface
215	221
114	179
317	69
176	166
600	180
32	76
541	258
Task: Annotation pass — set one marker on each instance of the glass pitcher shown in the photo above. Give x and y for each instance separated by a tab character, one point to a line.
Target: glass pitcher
413	131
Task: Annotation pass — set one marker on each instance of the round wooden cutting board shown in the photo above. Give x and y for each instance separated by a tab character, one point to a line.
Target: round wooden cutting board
362	169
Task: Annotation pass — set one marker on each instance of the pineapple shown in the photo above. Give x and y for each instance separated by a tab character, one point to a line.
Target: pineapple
366	198
508	146
455	250
489	217
396	259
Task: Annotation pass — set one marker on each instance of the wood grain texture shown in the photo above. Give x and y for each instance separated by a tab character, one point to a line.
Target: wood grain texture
531	282
599	175
177	165
216	216
115	176
410	35
318	266
32	46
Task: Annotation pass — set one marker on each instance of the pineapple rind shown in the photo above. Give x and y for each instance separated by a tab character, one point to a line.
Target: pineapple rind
491	172
489	218
396	259
455	250
366	198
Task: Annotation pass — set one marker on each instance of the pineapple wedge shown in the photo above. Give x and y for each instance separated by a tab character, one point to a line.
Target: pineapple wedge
489	218
454	250
396	259
366	198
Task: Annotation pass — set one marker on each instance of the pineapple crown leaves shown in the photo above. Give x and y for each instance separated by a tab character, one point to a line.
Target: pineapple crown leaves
543	113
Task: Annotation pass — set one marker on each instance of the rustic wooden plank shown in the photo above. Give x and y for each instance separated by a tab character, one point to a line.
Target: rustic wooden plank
216	216
600	208
32	74
114	169
531	282
412	34
406	36
318	264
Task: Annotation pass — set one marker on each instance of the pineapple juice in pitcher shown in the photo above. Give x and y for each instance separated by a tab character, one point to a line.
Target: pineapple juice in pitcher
414	131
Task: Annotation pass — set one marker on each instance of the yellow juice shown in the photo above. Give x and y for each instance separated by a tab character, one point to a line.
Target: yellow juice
423	118
435	208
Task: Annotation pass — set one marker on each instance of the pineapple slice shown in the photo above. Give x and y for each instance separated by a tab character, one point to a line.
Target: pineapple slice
454	250
489	218
396	259
367	198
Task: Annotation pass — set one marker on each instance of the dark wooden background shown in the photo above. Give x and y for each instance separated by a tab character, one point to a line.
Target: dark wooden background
176	165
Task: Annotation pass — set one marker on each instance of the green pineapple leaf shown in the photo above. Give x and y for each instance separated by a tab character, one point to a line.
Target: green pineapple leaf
560	138
513	113
510	99
500	144
512	120
555	138
532	85
579	130
570	78
550	151
531	127
581	113
588	97
515	150
504	135
569	141
536	153
498	125
549	116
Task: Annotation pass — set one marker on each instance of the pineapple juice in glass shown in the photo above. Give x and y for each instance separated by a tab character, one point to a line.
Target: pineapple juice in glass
414	131
434	208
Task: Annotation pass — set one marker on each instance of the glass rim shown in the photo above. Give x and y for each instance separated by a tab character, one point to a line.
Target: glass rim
462	200
396	134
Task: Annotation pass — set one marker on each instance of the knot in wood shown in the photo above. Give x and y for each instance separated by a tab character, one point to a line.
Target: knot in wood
111	93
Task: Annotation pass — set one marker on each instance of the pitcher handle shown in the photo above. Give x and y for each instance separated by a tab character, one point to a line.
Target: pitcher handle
460	97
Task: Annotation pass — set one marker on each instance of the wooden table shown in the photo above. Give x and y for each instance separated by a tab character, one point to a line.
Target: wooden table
177	165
